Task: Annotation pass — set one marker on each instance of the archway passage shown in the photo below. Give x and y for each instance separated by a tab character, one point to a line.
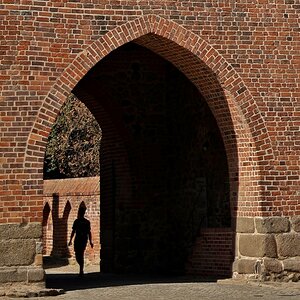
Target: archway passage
63	197
164	171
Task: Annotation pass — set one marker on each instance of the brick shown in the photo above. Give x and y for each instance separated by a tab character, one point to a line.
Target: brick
239	55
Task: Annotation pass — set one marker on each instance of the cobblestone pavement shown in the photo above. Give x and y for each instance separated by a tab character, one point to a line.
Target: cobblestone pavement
116	287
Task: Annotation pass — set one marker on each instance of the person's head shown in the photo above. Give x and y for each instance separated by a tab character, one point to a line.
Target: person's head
81	211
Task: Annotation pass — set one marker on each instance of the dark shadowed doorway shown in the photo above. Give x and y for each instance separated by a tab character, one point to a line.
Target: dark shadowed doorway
165	204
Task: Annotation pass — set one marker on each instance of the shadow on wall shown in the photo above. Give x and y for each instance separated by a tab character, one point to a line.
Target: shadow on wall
59	229
62	199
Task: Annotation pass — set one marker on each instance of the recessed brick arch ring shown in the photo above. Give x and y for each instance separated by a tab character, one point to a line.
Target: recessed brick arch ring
228	79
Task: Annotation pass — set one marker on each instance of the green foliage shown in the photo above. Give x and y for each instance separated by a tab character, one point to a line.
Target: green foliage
73	144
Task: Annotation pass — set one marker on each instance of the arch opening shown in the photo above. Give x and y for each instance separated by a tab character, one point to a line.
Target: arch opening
164	168
239	119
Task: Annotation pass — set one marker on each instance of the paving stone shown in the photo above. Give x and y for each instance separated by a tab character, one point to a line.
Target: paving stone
130	287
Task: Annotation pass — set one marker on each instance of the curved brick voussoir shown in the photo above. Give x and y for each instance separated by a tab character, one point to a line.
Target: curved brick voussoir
228	96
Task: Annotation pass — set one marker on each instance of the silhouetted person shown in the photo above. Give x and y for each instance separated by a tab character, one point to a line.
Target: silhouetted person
82	231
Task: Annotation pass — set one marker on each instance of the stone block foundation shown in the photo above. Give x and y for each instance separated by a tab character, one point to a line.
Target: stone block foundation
269	250
20	252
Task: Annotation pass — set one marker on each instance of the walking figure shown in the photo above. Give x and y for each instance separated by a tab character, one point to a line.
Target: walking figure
82	231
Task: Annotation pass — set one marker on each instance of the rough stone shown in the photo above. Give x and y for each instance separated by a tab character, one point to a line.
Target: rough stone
16	294
272	225
12	275
36	274
292	265
17	252
273	265
257	245
20	231
245	266
32	295
296	223
288	244
39	248
245	225
38	261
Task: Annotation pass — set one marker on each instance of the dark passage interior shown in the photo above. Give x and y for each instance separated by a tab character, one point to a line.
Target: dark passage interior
164	173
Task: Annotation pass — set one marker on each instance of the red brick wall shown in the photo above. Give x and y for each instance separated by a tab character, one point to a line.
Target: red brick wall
212	253
62	199
243	56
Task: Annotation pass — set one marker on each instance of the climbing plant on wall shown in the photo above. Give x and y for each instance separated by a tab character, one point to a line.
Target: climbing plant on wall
73	144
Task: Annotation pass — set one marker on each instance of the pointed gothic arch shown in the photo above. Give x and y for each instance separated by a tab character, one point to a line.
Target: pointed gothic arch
235	110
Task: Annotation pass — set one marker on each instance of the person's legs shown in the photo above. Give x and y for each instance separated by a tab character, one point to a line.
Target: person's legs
79	253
